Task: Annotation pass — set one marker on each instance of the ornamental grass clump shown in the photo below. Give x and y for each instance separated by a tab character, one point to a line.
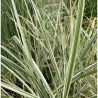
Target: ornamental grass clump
49	53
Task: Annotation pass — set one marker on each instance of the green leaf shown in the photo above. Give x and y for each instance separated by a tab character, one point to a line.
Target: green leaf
71	64
17	90
18	77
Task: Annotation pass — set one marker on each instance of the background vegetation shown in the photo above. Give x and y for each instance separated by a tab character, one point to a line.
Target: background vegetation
41	57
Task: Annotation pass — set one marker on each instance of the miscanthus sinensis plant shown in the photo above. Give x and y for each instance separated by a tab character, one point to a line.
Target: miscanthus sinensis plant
51	54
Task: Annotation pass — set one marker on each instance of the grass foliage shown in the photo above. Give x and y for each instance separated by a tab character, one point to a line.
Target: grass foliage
48	49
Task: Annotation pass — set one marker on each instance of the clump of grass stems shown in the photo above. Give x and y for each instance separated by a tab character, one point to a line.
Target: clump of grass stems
51	55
